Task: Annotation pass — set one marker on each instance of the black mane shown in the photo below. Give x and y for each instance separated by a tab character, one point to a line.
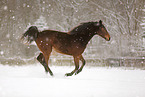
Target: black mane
82	28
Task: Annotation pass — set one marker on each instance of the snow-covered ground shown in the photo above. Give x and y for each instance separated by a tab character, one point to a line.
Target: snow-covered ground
31	81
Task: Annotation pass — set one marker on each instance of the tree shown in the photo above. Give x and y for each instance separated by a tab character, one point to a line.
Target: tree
143	27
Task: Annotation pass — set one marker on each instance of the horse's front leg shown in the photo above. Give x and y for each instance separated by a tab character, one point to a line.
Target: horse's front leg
83	64
76	60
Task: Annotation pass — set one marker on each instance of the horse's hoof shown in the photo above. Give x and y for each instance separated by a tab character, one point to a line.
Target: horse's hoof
51	74
68	74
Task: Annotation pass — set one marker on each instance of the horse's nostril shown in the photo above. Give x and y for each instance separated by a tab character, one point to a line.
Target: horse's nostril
109	38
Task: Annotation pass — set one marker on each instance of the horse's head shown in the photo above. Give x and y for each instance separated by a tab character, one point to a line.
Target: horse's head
101	30
31	34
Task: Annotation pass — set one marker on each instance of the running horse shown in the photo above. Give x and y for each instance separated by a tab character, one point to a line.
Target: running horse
72	43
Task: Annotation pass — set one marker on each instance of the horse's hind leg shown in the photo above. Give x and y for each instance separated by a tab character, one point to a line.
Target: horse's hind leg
83	64
76	60
41	59
46	62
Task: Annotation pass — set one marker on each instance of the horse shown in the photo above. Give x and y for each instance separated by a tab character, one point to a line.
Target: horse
71	43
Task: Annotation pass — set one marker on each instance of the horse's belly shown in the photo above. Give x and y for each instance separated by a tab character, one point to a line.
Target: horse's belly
68	47
70	50
62	51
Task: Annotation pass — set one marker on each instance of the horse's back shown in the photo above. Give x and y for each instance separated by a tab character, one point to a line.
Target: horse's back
50	36
62	42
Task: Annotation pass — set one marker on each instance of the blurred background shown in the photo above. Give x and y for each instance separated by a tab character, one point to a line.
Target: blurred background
124	20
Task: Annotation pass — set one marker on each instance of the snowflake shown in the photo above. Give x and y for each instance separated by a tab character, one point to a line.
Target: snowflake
5	7
8	36
1	52
24	5
28	5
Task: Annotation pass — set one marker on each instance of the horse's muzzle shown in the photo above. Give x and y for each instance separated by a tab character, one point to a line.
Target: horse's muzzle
107	38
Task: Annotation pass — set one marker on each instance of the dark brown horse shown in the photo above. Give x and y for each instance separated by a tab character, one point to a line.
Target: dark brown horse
72	43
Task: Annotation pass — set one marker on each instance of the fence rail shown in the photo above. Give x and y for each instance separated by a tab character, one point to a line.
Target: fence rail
138	62
127	62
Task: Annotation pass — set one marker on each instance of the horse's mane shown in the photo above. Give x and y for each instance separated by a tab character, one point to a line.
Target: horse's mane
82	28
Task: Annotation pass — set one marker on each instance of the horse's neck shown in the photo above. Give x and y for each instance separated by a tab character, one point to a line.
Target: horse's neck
85	38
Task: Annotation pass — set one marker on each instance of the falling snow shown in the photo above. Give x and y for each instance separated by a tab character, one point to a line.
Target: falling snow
122	20
1	52
5	7
8	36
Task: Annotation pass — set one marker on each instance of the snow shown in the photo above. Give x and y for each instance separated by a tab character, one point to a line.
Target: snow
5	7
8	36
1	52
32	81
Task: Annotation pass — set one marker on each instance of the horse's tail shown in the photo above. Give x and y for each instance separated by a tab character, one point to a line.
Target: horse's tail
30	35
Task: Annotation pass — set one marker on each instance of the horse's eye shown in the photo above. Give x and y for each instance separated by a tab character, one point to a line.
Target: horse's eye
101	28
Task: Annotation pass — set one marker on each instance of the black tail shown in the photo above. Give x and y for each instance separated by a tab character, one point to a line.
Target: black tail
31	34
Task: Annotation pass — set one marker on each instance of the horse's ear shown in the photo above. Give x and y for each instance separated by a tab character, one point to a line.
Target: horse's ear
100	22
